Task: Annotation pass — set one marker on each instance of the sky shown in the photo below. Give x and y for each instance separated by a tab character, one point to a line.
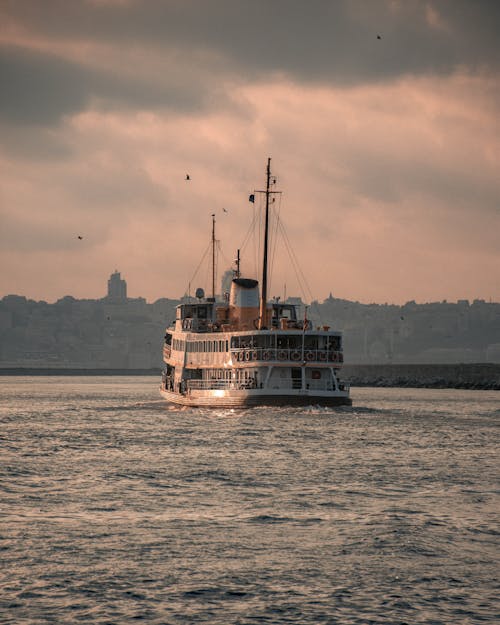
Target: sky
381	118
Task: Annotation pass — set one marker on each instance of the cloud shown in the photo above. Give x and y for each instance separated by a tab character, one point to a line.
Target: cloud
43	88
39	89
179	55
380	184
387	150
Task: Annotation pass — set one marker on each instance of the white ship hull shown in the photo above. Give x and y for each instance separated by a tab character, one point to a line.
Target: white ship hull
217	398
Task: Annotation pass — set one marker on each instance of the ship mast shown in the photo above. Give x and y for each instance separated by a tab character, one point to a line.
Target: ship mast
213	257
263	297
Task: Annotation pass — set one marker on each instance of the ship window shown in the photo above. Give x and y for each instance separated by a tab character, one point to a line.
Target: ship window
311	342
334	342
289	342
187	311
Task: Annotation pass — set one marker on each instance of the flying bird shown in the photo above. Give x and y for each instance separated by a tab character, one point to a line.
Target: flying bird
80	237
188	177
379	37
225	210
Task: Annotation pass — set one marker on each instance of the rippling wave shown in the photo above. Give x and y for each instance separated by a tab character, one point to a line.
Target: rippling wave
116	507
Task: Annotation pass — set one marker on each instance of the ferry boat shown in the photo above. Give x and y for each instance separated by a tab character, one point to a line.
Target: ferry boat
246	351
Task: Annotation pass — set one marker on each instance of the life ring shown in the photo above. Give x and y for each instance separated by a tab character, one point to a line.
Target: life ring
248	355
239	356
309	356
282	355
295	355
255	356
335	357
322	356
266	355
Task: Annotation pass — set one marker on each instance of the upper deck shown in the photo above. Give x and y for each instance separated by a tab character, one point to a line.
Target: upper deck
209	316
198	349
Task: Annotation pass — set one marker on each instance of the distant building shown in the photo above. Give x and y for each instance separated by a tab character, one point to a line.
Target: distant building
117	288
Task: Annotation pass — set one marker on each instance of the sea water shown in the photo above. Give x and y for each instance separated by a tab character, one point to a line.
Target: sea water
116	507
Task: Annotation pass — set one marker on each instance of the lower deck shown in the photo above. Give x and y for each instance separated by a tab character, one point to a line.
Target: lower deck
241	398
252	386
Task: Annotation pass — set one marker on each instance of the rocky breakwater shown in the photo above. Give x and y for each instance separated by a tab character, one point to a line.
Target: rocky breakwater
466	376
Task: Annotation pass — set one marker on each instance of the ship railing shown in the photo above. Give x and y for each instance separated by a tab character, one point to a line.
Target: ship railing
311	385
250	354
284	384
204	385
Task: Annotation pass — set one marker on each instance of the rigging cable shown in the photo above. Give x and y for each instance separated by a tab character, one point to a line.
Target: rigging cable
303	284
274	237
198	268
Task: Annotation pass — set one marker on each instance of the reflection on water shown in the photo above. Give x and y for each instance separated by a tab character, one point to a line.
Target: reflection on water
116	507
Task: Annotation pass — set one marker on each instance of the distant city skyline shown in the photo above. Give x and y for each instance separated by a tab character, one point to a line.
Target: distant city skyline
126	124
118	290
119	331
